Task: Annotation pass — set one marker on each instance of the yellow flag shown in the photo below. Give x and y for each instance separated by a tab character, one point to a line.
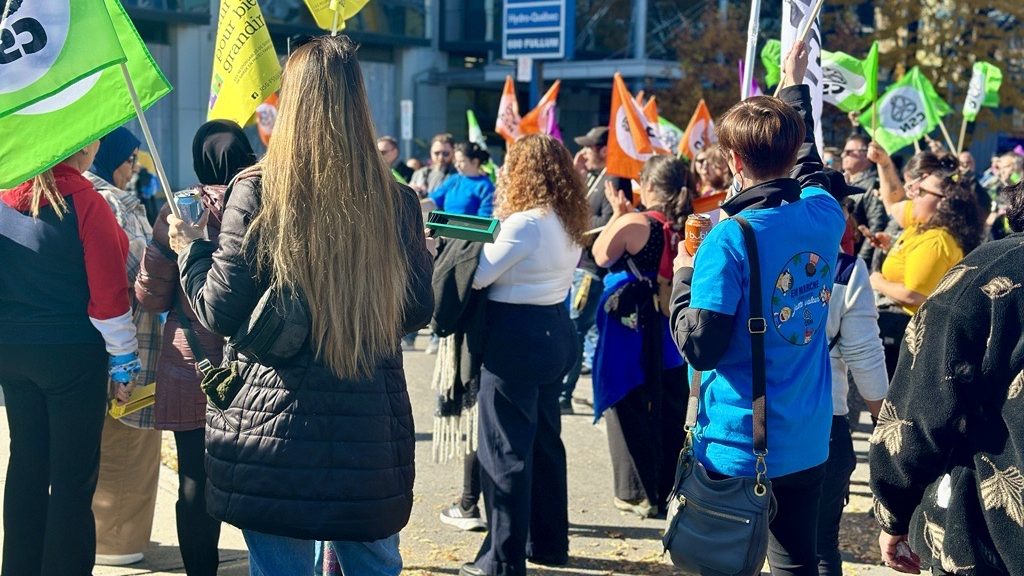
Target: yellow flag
245	66
323	11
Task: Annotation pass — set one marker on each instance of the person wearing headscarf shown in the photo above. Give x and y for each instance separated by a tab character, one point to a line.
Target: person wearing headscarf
125	498
219	151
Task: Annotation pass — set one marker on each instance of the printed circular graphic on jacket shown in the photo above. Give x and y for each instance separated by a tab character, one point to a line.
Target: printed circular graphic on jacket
800	298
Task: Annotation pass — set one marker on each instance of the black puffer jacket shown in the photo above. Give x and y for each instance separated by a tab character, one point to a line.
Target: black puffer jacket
301	453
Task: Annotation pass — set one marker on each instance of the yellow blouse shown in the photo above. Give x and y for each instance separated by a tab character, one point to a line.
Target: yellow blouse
920	259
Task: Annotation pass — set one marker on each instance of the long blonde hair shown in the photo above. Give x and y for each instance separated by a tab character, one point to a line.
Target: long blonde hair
44	186
329	217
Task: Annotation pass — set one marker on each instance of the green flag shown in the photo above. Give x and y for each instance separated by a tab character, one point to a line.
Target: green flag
47	45
909	109
475	133
43	134
983	90
771	55
849	84
670	134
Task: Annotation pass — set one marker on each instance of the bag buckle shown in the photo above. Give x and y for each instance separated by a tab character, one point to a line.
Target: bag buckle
204	366
761	470
757	325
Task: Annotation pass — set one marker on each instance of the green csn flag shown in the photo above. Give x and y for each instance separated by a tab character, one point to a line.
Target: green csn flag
983	90
771	55
48	44
909	109
45	133
475	133
670	134
848	83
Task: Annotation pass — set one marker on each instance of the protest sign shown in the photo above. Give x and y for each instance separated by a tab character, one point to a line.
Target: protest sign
848	83
246	70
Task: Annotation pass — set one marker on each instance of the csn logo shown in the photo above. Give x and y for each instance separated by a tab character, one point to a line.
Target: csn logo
23	37
31	40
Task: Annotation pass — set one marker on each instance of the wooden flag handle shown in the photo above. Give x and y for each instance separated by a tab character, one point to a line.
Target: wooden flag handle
157	164
801	37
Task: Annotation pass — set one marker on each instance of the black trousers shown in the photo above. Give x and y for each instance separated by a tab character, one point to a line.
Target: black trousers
56	398
522	459
470	481
198	532
792	545
835	492
645	436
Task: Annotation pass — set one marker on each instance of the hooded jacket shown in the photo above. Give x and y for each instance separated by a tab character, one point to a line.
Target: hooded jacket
301	453
64	280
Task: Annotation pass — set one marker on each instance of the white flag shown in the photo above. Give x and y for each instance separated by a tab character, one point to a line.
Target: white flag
794	16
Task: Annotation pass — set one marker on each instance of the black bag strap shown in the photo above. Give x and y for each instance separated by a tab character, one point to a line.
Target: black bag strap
202	362
756	325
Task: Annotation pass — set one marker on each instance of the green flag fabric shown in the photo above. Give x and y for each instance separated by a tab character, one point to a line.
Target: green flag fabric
670	134
475	133
47	45
771	55
45	133
909	109
850	84
984	89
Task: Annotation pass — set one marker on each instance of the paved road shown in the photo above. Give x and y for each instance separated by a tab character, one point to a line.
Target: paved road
603	540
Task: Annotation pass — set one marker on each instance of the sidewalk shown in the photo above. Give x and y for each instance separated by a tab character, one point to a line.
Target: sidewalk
603	541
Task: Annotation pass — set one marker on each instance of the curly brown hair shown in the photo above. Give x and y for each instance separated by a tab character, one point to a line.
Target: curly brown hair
539	172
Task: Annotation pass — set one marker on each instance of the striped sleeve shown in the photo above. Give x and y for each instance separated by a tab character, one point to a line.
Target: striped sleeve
105	248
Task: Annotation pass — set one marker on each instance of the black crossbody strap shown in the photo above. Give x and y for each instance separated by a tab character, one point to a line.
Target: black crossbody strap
202	362
756	325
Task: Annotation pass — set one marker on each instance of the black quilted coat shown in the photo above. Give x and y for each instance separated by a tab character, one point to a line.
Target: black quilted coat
301	453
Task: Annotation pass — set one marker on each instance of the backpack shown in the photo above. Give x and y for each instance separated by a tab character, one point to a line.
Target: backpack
669	251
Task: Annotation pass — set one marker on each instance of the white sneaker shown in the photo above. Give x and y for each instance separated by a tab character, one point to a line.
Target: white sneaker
431	347
468	520
119	559
643	508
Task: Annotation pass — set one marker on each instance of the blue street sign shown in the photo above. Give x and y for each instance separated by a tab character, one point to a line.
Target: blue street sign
538	29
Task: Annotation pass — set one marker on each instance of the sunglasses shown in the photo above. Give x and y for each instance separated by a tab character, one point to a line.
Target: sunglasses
441	153
854	151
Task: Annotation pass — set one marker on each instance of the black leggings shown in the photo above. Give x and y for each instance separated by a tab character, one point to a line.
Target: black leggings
56	397
470	481
792	546
198	532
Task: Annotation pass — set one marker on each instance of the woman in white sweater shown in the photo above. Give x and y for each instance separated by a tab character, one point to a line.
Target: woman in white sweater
530	347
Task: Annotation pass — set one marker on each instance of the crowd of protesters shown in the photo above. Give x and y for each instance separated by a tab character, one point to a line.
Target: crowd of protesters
903	284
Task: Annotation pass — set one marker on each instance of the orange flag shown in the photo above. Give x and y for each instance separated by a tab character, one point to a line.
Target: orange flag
651	113
266	116
640	97
538	120
632	138
508	113
700	132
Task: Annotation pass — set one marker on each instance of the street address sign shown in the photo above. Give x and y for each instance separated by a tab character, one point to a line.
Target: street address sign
537	29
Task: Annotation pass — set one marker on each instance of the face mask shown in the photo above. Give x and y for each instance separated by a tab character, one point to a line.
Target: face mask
737	186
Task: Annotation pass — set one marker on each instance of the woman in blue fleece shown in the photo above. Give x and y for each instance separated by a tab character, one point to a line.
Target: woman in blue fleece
469	192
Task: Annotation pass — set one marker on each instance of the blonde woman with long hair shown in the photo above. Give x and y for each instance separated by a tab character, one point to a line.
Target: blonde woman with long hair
321	446
65	328
530	348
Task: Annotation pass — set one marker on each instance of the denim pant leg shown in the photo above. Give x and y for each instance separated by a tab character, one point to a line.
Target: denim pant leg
584	320
274	555
379	558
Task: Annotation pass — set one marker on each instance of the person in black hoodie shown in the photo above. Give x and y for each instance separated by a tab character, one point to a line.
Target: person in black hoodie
947	470
319	446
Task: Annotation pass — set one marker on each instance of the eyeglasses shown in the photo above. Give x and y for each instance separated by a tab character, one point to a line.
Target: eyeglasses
922	190
854	151
700	161
132	160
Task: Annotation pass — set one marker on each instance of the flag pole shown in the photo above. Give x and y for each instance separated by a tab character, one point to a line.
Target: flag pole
963	134
161	174
753	29
336	6
7	11
945	133
802	37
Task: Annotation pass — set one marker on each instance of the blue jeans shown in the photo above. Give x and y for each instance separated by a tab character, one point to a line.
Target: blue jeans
584	320
277	555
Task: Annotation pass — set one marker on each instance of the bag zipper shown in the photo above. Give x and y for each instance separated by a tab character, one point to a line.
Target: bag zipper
683	502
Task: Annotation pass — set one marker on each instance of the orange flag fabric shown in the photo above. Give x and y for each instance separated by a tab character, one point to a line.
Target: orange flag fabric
266	116
538	120
651	113
632	138
700	132
508	124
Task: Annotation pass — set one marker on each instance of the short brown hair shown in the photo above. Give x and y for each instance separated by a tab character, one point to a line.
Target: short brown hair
766	133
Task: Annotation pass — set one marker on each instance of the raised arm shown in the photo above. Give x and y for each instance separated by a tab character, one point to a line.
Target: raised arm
809	169
890	187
